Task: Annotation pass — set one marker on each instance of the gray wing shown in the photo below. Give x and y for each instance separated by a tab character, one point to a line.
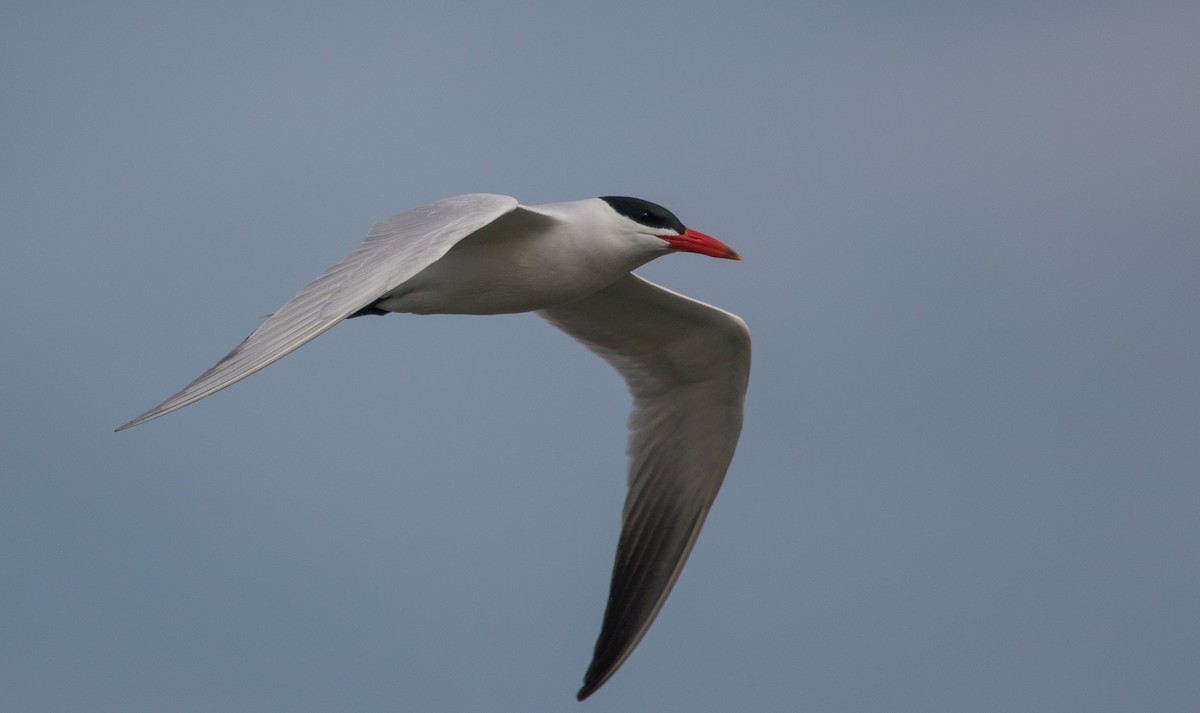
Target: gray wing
394	250
687	365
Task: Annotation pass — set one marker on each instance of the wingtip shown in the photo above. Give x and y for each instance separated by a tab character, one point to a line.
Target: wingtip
127	426
595	677
587	690
139	420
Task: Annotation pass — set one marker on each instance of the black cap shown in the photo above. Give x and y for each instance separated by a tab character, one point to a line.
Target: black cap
649	214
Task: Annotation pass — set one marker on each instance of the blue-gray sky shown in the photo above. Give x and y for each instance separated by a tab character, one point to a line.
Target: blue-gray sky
970	473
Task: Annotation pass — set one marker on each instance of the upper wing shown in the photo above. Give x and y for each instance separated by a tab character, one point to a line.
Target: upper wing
687	365
394	250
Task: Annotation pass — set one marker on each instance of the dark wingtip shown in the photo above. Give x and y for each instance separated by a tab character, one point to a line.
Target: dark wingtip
598	673
587	690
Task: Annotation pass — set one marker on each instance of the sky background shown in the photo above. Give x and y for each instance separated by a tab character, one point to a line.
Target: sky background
970	473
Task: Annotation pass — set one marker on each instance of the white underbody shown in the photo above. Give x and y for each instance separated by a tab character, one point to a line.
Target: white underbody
522	262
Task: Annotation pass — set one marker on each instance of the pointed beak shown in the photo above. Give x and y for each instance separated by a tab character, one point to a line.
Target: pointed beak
693	241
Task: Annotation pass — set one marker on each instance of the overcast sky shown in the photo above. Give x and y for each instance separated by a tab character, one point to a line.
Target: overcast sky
970	473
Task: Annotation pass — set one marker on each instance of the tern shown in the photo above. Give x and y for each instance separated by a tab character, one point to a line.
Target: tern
686	363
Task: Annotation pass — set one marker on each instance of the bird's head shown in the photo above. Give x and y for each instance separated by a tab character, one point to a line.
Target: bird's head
651	219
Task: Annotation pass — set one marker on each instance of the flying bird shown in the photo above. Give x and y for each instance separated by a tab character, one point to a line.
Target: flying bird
687	364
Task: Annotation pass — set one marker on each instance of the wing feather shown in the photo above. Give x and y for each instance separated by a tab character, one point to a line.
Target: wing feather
687	365
394	250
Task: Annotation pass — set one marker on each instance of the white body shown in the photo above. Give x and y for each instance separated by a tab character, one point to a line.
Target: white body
525	260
